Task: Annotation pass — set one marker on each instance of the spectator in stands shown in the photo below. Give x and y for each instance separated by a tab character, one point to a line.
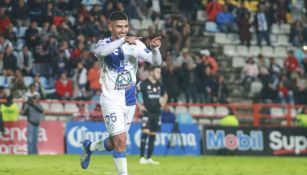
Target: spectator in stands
189	83
220	91
302	118
82	114
262	25
36	10
17	85
10	34
64	87
290	63
250	73
95	114
9	110
171	79
1	124
268	93
230	5
285	95
209	61
262	63
9	62
188	8
229	120
298	33
25	61
297	9
80	80
41	60
61	63
242	18
226	21
2	93
4	43
39	87
31	92
280	8
275	71
4	20
32	38
35	113
213	8
1	62
20	11
207	86
93	78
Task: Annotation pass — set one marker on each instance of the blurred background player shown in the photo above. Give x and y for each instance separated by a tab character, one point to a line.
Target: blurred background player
118	57
154	98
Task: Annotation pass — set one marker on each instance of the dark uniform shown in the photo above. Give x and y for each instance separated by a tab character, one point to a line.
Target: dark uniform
151	100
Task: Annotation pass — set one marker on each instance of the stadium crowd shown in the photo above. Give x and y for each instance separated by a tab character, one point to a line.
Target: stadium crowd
49	44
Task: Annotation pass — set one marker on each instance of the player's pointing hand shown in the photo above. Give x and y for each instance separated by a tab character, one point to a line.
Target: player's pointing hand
155	42
132	39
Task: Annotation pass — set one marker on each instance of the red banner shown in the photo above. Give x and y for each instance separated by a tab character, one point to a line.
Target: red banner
14	138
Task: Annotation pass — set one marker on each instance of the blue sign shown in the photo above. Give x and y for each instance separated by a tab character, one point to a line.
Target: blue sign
185	142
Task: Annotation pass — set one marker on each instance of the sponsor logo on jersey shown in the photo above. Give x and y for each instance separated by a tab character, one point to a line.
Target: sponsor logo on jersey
123	81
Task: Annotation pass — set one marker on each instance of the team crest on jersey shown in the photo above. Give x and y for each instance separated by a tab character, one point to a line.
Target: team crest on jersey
123	80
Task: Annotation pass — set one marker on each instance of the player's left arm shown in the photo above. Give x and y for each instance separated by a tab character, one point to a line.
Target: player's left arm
154	56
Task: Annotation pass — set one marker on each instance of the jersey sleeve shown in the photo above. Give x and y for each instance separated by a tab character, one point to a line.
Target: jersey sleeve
104	48
153	57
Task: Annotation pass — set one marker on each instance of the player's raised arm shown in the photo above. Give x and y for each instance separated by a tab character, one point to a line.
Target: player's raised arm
154	57
103	48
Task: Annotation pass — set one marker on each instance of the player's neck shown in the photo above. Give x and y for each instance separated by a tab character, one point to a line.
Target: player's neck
151	79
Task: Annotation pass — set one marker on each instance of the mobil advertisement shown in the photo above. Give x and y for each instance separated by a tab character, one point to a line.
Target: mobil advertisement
232	140
254	141
185	141
50	138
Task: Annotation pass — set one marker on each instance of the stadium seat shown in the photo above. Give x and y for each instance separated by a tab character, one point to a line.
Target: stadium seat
19	104
28	80
254	51
181	109
267	51
238	62
221	111
276	29
221	38
45	106
256	87
51	118
135	24
276	112
283	40
285	28
5	81
71	107
195	110
146	23
208	111
242	51
280	52
234	38
56	107
44	82
171	108
211	27
229	50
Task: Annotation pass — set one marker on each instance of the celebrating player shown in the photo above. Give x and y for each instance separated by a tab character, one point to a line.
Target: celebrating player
154	97
118	57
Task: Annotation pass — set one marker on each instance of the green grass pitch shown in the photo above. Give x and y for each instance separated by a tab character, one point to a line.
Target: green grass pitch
169	165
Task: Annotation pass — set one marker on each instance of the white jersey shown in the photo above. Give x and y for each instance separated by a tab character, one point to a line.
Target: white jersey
119	63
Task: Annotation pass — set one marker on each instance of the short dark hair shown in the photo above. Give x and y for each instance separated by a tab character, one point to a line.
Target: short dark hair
152	68
118	15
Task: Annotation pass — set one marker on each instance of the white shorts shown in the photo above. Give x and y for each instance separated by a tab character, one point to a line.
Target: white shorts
117	118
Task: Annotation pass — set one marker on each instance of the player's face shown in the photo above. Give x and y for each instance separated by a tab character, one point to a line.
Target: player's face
156	73
118	28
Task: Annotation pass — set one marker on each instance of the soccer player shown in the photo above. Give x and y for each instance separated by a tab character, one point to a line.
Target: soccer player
118	57
154	98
